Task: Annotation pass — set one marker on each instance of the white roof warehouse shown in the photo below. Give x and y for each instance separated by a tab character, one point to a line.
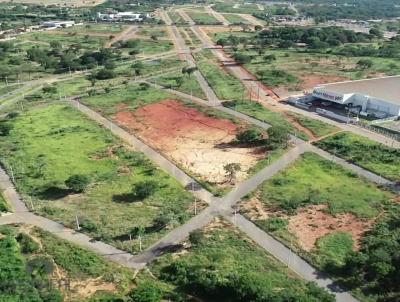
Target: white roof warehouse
371	95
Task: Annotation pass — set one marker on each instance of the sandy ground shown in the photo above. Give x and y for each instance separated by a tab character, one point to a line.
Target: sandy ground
201	144
311	223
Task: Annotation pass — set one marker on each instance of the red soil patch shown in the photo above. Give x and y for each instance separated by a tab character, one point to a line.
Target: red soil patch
197	142
313	222
310	81
171	119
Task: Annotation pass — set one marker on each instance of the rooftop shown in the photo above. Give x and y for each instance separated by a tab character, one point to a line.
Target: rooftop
387	88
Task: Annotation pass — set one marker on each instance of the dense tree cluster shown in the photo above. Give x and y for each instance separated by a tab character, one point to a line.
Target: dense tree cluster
360	10
376	266
315	38
60	60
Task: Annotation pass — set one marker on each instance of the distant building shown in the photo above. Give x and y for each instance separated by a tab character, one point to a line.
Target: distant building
122	16
58	24
379	97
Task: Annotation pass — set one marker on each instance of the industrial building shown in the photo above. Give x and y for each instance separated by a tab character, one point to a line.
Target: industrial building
378	97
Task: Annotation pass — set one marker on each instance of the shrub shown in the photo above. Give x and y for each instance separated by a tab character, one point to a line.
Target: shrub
77	183
28	246
249	136
147	292
273	224
143	189
196	237
5	129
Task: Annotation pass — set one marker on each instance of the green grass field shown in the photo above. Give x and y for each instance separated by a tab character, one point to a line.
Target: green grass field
30	257
48	145
150	47
155	31
365	153
313	180
96	28
297	63
225	86
224	265
202	18
66	39
239	8
180	82
235	19
134	96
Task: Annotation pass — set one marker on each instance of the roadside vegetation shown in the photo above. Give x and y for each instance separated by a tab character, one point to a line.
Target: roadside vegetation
85	171
380	159
4	207
332	218
225	86
313	180
222	264
37	266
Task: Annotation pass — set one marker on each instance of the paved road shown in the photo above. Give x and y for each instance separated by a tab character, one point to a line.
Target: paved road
184	50
217	15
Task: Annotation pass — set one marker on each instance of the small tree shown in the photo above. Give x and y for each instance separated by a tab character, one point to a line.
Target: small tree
222	42
249	136
196	237
77	183
189	70
5	129
278	137
365	63
179	81
138	68
231	170
143	189
241	58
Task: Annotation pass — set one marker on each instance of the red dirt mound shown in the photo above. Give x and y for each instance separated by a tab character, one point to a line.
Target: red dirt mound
171	119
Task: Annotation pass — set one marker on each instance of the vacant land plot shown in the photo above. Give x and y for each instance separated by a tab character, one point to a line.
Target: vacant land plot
375	157
150	67
297	70
261	113
224	265
66	39
107	28
181	82
49	145
202	144
315	198
235	19
36	265
202	18
153	31
225	86
239	8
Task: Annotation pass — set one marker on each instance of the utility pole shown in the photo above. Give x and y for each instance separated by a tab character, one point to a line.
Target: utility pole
140	242
130	241
12	174
77	223
31	202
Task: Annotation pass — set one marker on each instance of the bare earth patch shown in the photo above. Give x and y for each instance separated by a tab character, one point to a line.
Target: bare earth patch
199	143
312	223
310	81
